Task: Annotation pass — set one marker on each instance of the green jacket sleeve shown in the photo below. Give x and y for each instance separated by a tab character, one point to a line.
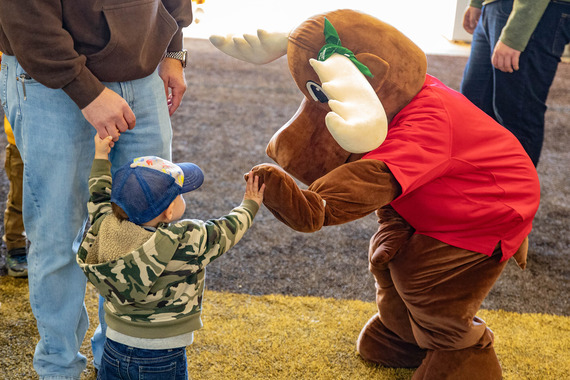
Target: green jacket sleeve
100	184
522	22
206	241
476	3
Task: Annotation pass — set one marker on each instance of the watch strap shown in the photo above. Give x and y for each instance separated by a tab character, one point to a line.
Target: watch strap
179	55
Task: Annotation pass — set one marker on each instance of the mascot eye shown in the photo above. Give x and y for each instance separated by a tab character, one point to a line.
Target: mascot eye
317	92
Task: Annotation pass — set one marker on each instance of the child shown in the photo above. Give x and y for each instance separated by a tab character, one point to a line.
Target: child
149	268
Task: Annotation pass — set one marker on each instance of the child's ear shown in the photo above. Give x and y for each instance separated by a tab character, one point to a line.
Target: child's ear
167	214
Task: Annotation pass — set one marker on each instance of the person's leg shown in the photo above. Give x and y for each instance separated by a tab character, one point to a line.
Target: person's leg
152	136
443	287
14	232
56	146
520	97
477	80
98	338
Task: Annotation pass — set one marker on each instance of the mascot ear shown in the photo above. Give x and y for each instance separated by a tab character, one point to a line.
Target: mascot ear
377	66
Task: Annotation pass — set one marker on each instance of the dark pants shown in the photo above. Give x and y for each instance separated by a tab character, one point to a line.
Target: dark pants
517	100
14	232
122	362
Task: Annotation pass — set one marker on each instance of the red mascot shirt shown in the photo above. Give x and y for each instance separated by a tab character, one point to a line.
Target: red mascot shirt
466	180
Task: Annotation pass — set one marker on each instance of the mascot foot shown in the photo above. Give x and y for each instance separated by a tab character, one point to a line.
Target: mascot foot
466	364
379	345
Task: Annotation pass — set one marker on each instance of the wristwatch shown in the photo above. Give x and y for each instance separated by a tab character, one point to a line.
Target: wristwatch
181	55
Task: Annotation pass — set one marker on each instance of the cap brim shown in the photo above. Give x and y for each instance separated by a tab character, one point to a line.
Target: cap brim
193	176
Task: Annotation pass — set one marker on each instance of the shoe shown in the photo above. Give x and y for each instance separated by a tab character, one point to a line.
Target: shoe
17	262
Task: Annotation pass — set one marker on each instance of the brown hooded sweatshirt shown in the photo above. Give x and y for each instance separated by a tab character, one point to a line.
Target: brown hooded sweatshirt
77	44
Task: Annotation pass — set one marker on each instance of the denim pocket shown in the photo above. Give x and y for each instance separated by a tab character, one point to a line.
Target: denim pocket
158	372
562	35
110	368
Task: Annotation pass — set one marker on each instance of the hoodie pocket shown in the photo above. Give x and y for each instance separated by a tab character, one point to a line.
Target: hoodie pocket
140	32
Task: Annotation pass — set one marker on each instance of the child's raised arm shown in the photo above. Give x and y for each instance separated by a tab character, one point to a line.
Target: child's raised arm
252	189
103	147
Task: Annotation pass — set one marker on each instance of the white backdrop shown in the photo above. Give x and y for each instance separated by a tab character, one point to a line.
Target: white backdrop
429	24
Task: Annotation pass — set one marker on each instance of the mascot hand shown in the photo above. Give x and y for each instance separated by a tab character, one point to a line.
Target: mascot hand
302	210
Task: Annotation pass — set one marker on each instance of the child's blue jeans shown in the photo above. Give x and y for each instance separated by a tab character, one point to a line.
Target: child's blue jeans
121	362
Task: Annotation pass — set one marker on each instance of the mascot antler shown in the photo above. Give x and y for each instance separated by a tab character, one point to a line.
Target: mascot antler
261	49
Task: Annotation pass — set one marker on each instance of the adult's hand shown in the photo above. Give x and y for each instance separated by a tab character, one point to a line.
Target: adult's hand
109	114
471	18
172	74
505	58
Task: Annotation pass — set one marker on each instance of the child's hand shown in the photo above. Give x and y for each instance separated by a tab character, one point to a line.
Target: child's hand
252	189
103	147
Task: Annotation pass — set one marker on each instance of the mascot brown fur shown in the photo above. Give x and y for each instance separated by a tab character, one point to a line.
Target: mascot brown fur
454	192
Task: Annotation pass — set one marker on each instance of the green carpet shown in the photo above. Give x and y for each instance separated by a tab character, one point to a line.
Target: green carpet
280	337
283	337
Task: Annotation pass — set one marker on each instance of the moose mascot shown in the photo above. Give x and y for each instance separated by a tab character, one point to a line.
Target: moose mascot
454	192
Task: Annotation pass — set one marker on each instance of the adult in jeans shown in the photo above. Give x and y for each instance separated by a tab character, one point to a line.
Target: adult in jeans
73	68
515	52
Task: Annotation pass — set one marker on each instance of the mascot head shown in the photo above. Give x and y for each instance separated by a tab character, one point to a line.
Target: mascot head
356	73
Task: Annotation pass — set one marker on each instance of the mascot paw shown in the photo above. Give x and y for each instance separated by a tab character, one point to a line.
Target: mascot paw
277	183
268	171
301	210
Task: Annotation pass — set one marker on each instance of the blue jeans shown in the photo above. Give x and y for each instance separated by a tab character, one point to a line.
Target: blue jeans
122	362
98	339
517	100
56	144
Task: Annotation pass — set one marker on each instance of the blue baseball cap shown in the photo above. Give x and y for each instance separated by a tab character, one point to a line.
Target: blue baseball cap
145	187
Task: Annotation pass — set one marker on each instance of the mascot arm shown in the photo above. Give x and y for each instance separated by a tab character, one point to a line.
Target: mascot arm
347	193
356	189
